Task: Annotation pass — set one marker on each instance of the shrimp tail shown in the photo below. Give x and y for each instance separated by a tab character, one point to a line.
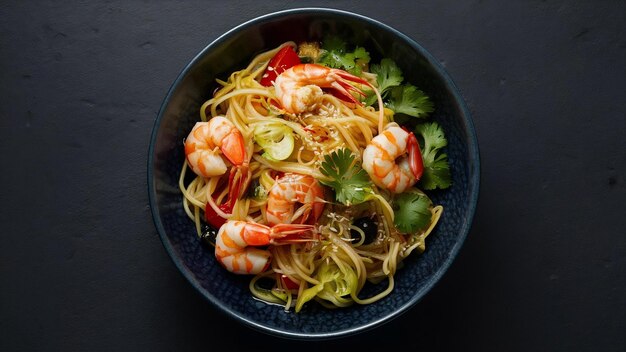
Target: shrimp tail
415	156
233	148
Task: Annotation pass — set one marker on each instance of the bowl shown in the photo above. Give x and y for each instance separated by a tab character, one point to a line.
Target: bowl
180	110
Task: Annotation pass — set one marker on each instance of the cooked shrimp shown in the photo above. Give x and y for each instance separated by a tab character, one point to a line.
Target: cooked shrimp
380	159
234	237
288	190
299	88
204	139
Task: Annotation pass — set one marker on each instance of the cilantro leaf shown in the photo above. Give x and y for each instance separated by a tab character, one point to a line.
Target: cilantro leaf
409	100
361	59
334	43
350	182
336	59
412	212
436	169
336	55
388	75
360	53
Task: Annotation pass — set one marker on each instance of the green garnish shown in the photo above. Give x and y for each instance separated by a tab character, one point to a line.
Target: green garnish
409	100
388	75
336	281
335	54
412	211
275	138
350	182
401	98
436	169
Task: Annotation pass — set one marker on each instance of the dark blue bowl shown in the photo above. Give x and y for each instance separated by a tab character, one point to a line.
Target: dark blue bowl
233	51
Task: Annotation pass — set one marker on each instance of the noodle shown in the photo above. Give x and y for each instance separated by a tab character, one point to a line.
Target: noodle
342	249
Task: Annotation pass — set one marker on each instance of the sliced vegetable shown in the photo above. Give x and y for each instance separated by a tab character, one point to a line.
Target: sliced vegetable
412	211
234	185
335	282
263	289
212	218
350	182
307	295
288	283
436	168
283	60
344	282
275	138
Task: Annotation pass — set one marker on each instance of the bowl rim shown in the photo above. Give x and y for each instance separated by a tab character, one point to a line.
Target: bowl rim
473	177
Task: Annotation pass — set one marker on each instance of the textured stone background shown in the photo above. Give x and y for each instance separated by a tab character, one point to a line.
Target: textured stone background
81	265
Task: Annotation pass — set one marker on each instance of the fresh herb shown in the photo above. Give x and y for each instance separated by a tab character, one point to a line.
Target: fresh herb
409	100
334	43
401	98
388	75
335	54
436	169
350	182
412	211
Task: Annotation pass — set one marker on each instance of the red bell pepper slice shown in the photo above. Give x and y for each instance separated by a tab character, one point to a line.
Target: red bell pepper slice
283	60
288	283
212	218
235	185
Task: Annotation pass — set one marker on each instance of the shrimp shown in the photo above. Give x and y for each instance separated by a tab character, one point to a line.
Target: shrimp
205	137
288	190
299	88
234	237
380	156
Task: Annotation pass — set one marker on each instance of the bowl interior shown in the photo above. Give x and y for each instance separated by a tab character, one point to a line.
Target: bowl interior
233	51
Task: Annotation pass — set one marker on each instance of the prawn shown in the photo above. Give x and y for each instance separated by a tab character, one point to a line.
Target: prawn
299	88
205	138
288	190
380	159
202	156
234	238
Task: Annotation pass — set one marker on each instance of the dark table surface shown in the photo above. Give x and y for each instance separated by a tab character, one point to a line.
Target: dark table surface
81	264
